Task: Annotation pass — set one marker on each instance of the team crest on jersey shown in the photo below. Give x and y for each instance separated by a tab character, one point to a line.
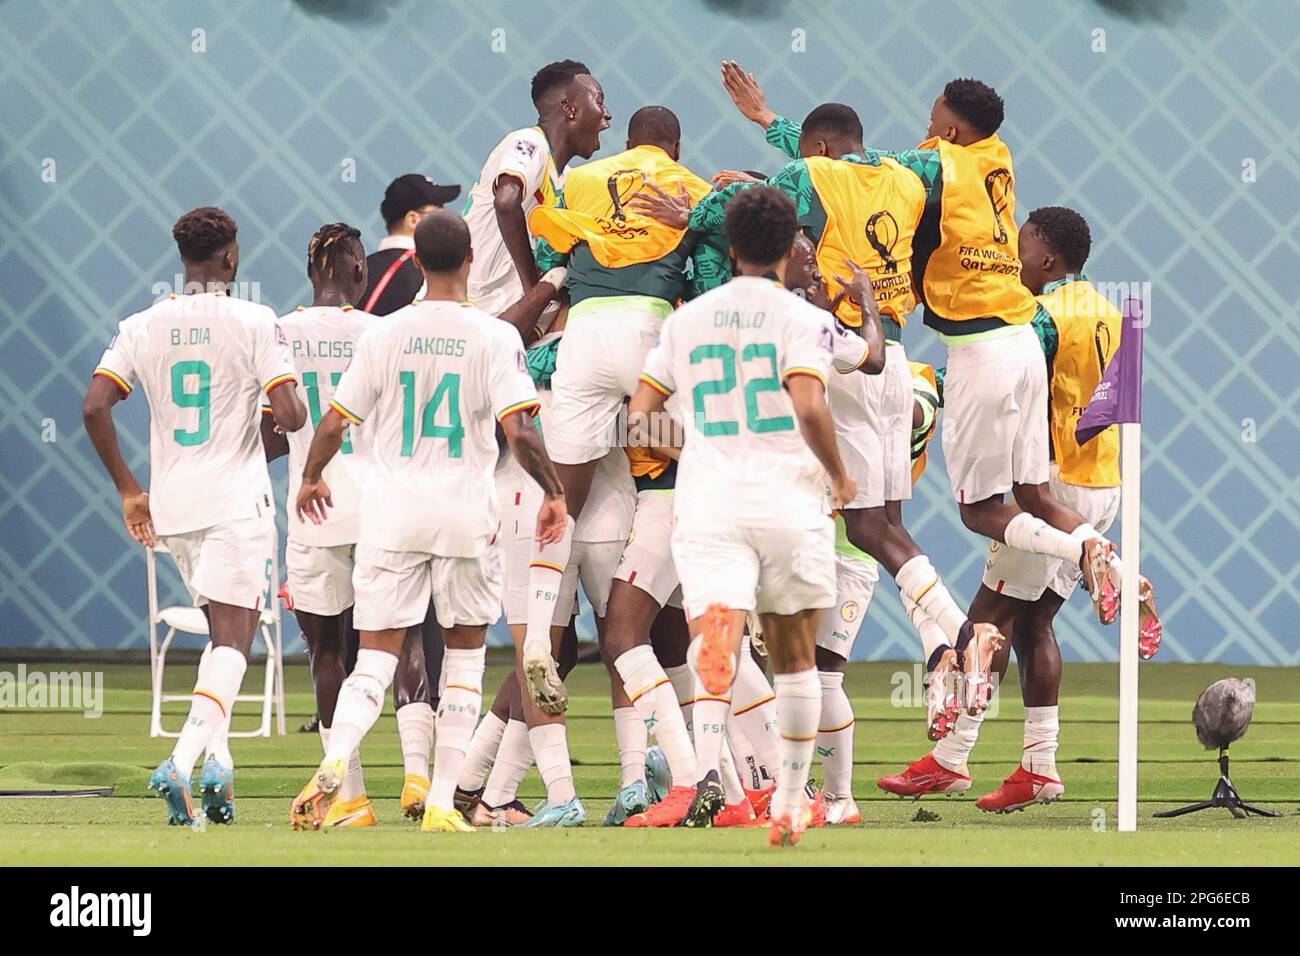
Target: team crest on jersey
849	611
525	148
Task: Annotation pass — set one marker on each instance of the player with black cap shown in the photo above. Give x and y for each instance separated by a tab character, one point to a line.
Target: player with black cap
394	278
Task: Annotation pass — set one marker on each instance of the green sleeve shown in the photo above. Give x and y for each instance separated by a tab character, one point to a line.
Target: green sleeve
784	135
1049	337
712	260
710	264
547	257
924	162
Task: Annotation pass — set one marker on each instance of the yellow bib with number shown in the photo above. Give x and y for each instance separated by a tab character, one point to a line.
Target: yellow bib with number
974	272
595	208
871	216
1089	327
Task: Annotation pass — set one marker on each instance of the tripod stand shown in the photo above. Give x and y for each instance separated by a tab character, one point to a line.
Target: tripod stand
1225	795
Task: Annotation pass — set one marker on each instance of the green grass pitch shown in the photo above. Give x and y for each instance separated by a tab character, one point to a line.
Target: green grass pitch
51	749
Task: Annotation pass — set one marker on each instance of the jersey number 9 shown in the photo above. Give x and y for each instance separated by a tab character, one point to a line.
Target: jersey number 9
199	398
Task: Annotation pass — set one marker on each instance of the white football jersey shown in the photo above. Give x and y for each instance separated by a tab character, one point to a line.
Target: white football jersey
728	354
204	361
526	155
322	339
430	382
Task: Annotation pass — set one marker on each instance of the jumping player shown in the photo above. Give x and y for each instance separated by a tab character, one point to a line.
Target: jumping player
1079	331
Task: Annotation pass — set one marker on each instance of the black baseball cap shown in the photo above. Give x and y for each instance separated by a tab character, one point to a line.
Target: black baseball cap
413	191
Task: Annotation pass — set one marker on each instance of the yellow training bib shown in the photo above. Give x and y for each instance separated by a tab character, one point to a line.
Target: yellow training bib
1089	328
974	271
871	216
595	198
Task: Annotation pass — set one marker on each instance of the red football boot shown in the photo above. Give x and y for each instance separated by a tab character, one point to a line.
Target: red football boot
923	777
1020	790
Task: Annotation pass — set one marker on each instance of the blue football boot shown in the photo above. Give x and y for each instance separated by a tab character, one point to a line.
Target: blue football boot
217	790
658	778
631	800
571	814
168	783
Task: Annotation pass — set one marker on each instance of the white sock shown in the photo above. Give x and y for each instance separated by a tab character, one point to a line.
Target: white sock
731	787
954	750
354	784
653	694
545	574
747	762
633	739
835	735
458	707
1028	533
709	717
361	701
482	752
550	745
1042	737
415	725
218	747
919	583
683	681
753	708
514	758
220	675
931	634
799	707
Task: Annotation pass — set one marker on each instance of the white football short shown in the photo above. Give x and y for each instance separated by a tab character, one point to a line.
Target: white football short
768	570
647	561
598	365
229	563
591	562
995	426
320	578
855	583
856	415
1025	575
891	394
393	588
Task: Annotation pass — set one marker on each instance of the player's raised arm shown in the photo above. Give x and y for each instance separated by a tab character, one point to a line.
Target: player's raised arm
746	94
97	413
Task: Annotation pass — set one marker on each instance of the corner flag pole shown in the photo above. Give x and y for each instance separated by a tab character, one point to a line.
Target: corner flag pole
1118	399
1130	413
1130	544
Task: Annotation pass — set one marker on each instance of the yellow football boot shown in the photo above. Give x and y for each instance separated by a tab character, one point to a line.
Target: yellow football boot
350	813
415	793
444	821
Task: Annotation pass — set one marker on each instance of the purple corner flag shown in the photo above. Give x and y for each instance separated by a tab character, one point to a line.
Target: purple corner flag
1118	396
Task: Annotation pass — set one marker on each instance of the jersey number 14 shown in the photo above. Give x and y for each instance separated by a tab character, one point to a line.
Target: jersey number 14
448	390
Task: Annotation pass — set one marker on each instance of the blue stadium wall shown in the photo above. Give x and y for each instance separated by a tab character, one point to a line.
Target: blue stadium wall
1174	127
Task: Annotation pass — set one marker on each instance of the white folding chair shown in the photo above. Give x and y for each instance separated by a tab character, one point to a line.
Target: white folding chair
187	619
